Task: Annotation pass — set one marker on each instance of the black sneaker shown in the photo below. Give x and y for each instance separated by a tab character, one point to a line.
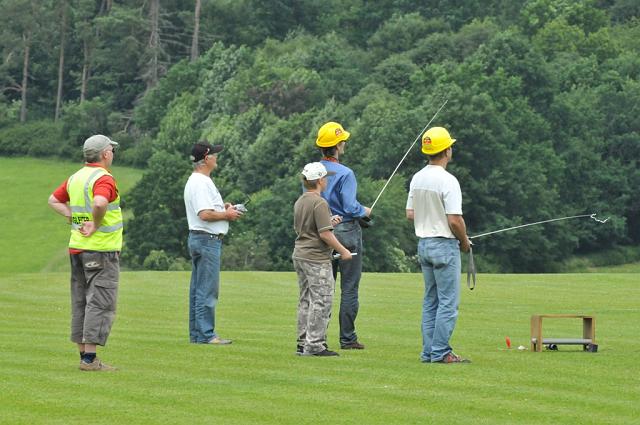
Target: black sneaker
300	348
325	353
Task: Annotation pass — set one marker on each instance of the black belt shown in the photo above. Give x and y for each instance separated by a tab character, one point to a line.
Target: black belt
219	236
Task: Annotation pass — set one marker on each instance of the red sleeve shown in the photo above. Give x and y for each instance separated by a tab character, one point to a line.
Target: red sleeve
61	193
106	186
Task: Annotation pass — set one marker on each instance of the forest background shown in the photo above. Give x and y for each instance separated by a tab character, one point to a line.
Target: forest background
543	98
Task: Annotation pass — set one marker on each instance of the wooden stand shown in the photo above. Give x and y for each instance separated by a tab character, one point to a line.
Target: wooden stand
588	340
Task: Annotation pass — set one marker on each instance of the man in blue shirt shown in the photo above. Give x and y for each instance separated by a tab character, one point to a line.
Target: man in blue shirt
341	194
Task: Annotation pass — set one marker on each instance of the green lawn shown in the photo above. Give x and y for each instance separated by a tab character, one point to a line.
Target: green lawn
258	379
34	238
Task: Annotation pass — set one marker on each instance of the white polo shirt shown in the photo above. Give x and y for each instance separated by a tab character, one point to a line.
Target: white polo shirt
433	194
201	194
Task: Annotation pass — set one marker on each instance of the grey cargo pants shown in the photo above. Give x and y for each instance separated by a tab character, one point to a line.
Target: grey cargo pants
94	293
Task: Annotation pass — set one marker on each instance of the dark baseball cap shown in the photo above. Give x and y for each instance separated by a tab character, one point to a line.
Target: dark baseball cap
202	149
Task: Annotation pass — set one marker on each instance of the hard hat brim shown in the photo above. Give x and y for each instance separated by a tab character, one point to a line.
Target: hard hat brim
342	138
439	150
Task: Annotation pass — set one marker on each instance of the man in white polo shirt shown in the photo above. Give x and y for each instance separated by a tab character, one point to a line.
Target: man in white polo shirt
208	217
435	206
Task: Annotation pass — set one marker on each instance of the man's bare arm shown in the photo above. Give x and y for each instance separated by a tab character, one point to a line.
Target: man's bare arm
61	208
459	229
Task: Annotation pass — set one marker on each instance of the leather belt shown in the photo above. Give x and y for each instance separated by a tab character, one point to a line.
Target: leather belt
219	236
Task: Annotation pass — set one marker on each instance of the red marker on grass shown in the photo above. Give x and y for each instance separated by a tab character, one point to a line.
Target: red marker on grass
508	341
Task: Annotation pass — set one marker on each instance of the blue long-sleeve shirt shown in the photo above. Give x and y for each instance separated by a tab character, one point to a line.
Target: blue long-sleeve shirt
341	192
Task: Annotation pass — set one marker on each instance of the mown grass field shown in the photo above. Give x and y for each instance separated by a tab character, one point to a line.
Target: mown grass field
33	236
258	379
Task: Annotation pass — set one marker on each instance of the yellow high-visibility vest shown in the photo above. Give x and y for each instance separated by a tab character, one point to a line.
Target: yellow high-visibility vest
108	237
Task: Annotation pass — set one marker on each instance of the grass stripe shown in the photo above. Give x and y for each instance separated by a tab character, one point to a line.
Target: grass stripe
258	379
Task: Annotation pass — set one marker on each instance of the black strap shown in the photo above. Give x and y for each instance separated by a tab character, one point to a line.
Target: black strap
471	271
365	222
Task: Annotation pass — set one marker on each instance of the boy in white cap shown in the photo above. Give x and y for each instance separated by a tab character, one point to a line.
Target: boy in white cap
314	243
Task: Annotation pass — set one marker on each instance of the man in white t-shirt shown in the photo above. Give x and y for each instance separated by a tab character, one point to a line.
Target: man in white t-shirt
435	206
208	217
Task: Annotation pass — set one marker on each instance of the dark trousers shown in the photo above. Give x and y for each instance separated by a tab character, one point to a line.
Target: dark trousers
350	235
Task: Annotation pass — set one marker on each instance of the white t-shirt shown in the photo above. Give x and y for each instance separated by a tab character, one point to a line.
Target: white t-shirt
433	194
201	194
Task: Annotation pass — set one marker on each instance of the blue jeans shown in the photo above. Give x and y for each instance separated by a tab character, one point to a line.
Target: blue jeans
205	253
440	261
350	235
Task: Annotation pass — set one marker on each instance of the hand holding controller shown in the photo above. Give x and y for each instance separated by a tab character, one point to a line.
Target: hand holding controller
240	207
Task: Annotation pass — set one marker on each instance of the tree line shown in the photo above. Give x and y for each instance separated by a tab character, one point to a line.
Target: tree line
542	97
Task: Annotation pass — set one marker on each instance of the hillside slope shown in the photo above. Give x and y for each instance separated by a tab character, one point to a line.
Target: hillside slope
33	237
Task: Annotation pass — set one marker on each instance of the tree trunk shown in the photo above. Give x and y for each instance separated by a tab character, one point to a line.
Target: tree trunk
85	71
154	43
196	32
63	34
105	7
25	75
87	44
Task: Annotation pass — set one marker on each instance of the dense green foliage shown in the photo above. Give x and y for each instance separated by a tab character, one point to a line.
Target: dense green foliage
162	379
542	96
36	239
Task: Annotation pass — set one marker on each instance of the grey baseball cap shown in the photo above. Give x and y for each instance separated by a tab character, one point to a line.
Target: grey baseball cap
97	143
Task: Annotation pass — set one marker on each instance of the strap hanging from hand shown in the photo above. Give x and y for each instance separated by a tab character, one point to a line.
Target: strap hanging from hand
471	271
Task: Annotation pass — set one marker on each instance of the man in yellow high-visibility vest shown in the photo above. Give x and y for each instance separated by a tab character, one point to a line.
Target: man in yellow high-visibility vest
90	201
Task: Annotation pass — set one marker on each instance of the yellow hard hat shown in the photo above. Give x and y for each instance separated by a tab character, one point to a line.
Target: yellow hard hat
435	140
331	134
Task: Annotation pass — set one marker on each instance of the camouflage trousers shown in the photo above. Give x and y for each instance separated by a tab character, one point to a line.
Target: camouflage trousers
317	285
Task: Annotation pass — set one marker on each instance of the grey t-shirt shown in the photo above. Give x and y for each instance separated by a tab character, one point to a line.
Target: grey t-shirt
311	216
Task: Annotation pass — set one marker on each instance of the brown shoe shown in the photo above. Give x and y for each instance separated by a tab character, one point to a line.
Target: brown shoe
96	366
220	341
352	346
450	357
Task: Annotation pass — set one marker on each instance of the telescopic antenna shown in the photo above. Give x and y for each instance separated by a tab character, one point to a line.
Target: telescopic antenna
407	153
